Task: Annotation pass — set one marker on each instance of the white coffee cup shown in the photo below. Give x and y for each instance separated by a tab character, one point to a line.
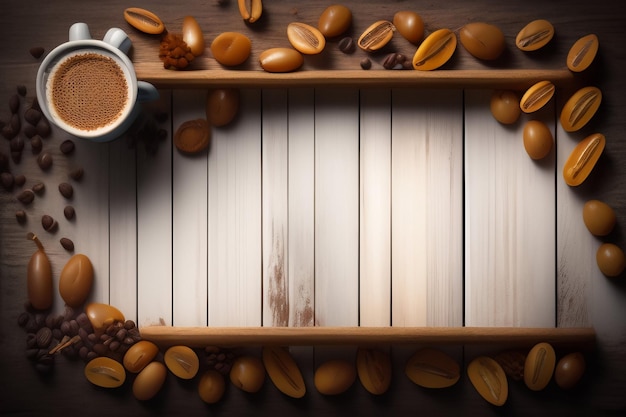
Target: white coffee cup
115	45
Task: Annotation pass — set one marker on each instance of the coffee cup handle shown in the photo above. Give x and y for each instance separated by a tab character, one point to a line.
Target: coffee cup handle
79	32
118	38
146	91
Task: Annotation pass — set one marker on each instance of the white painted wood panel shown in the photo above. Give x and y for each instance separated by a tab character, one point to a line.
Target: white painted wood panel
189	218
426	230
375	208
336	207
123	227
154	233
276	301
301	190
509	222
234	204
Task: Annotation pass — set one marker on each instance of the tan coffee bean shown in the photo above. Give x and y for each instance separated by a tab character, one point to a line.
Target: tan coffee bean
435	51
431	368
580	108
489	379
144	20
537	138
280	60
534	35
537	96
334	20
611	260
410	25
482	40
334	377
193	136
76	280
222	106
149	381
539	366
374	370
66	190
248	373
139	355
583	158
599	217
305	38
193	36
582	53
377	35
182	361
211	387
231	48
103	315
283	371
250	10
105	372
569	370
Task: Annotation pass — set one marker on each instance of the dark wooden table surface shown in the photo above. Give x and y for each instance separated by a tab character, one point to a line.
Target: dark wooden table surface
28	23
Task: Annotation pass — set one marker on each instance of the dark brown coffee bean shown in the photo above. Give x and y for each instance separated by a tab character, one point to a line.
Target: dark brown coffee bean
69	212
21	90
20	216
8	180
43	128
20	180
29	131
16	123
26	197
347	45
394	61
45	161
36	144
14	103
366	63
36	51
67	244
48	223
17	144
66	190
67	147
77	173
44	337
39	187
32	116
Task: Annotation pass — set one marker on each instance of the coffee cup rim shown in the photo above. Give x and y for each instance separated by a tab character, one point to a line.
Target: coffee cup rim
68	48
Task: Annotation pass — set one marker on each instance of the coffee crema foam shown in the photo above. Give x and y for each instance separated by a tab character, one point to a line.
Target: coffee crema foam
88	91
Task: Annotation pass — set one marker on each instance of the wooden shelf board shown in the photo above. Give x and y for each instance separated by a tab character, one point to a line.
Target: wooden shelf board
583	338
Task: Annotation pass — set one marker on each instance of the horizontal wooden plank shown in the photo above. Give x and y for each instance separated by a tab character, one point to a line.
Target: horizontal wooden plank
333	335
501	78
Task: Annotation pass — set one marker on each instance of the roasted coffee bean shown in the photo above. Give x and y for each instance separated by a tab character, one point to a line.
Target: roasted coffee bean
77	173
20	215
366	63
8	132
66	190
17	144
29	131
32	116
21	90
45	161
36	51
48	223
69	212
20	180
8	180
14	103
39	187
347	45
36	145
43	128
67	244
67	147
44	337
394	61
26	197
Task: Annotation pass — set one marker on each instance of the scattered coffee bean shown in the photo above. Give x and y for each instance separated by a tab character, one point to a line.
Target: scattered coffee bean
20	180
67	244
347	45
26	197
36	144
32	116
69	212
21	90
45	161
14	103
39	187
36	51
44	337
17	144
366	63
8	132
29	131
67	146
77	173
48	223
7	180
43	128
394	61
20	215
66	190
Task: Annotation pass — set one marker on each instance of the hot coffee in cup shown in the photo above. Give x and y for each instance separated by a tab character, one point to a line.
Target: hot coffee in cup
88	90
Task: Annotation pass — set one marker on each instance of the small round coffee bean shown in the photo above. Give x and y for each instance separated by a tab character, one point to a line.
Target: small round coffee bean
66	190
21	90
67	244
29	131
45	161
77	173
36	144
36	51
20	180
48	223
43	128
67	147
69	212
8	180
32	116
14	103
26	197
44	337
39	187
366	63
17	144
347	45
20	216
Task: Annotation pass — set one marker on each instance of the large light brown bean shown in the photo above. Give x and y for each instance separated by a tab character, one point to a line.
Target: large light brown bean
76	280
39	278
280	60
139	355
334	20
231	48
